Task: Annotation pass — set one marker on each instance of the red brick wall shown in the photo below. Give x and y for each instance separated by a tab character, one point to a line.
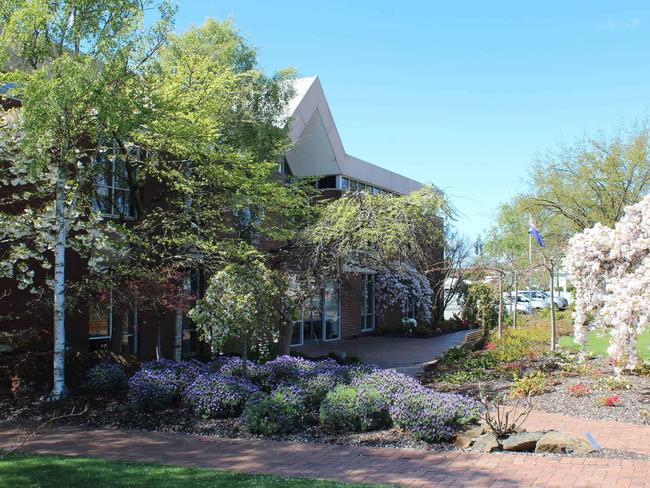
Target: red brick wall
351	305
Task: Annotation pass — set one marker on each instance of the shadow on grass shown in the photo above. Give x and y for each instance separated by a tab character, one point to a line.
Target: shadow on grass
20	470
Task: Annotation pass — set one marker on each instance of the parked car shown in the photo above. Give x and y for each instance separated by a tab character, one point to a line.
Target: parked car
536	298
541	299
523	304
560	302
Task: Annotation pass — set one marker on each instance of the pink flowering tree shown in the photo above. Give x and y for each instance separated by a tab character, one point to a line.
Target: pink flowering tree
610	268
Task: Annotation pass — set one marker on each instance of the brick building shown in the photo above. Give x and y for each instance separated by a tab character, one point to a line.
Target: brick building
342	310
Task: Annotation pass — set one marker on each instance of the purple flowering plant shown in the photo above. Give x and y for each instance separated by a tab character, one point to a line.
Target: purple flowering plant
218	396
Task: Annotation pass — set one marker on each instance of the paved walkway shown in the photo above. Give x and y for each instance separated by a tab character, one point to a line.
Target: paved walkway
405	354
410	467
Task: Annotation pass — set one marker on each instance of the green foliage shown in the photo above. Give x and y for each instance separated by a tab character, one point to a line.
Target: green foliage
377	231
614	383
530	385
480	305
280	412
239	303
348	408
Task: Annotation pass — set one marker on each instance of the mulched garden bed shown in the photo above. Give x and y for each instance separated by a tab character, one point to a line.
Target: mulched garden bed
106	413
563	376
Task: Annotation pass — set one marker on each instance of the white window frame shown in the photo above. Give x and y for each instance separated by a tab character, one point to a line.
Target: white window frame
301	322
109	337
364	304
112	188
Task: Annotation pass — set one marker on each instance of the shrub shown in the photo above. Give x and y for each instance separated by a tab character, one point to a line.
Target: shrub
179	373
432	416
216	396
387	382
258	374
529	385
152	389
348	408
609	401
288	369
315	387
280	412
107	378
614	383
578	390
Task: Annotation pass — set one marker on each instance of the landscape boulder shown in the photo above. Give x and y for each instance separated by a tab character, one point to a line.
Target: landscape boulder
465	438
486	443
523	441
559	443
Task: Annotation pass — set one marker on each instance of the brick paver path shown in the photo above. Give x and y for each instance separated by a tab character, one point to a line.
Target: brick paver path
613	435
346	463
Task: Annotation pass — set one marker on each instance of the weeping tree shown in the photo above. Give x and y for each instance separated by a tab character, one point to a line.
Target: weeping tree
399	237
76	66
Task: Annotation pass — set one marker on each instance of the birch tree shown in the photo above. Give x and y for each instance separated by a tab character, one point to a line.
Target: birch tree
76	66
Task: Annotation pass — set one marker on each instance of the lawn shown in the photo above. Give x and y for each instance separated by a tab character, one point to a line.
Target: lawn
597	343
55	471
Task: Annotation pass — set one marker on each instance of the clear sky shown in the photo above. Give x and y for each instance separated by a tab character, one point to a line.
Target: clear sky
461	94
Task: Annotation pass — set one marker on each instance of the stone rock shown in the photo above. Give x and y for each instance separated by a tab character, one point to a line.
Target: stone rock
559	443
523	441
486	443
465	438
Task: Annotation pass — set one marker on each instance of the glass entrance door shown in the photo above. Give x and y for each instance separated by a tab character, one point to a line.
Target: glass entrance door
320	318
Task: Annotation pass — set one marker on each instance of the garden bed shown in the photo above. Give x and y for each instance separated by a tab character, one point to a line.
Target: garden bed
521	365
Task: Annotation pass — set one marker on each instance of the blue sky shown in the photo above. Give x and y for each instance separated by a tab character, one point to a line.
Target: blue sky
460	94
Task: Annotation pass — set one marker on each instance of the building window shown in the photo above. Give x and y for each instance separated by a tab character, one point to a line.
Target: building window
319	318
409	309
368	302
326	182
354	185
112	191
106	325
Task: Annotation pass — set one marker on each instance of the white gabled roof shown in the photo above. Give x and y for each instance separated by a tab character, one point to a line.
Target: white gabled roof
318	149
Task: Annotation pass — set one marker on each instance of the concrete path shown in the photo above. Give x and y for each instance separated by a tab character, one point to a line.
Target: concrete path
409	467
406	355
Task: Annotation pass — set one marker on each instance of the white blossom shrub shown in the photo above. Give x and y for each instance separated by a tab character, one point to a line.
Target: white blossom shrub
610	269
394	287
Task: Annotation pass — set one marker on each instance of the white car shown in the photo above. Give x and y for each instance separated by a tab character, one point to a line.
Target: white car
523	304
560	302
536	298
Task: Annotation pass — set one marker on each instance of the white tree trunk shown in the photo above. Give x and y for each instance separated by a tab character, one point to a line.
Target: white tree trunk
500	324
178	324
59	389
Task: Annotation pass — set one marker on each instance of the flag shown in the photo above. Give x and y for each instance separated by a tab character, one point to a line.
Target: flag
535	233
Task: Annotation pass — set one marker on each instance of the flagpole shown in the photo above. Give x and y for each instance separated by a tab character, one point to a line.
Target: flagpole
530	255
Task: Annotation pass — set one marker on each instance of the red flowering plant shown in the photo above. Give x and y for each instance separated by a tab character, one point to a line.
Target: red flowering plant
489	346
609	401
578	390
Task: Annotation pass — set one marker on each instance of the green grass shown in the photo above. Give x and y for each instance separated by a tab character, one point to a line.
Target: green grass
22	470
597	343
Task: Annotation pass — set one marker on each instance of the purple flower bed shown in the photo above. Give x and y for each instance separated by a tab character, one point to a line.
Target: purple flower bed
315	387
280	412
387	382
152	389
432	416
179	373
107	378
258	374
289	369
216	396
